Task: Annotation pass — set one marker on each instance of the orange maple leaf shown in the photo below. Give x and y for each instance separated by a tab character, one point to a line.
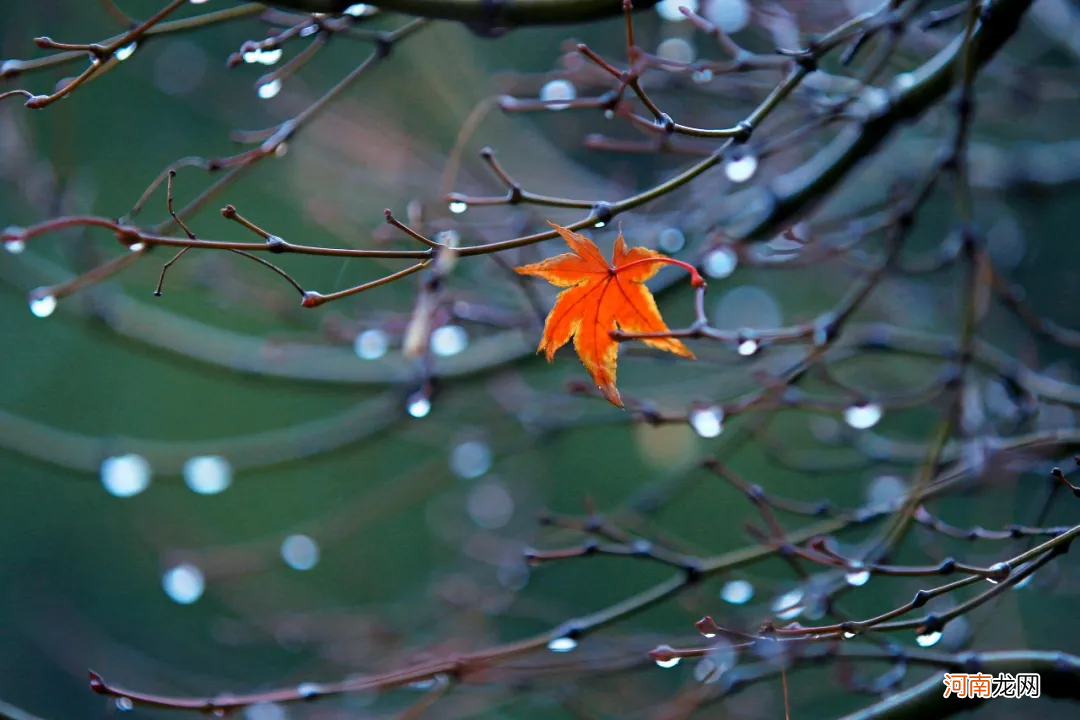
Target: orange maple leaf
599	297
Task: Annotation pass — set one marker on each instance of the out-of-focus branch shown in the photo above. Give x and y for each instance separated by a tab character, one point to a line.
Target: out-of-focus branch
797	193
10	712
926	701
490	14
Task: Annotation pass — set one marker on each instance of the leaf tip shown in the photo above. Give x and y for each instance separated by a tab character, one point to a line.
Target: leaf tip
612	395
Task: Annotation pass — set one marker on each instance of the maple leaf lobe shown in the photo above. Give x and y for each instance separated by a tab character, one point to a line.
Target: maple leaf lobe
599	297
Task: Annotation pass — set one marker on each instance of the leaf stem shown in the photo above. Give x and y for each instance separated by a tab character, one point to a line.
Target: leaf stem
695	277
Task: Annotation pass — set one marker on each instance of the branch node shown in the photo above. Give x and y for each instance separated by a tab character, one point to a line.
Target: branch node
312	299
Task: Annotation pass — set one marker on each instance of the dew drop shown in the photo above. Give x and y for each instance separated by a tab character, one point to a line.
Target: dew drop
748	347
903	81
184	583
562	644
449	238
42	304
676	50
307	690
609	114
124	704
731	16
702	76
671	240
848	635
707	422
281	150
457	207
137	247
371	344
300	552
721	262
599	224
198	2
269	89
741	169
862	417
789	605
207	474
669	663
268	57
928	639
125	475
874	100
1001	570
470	460
669	10
449	340
558	90
357	10
737	592
418	405
490	505
857	575
825	329
125	52
15	245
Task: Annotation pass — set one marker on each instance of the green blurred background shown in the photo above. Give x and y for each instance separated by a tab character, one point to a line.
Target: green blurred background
413	528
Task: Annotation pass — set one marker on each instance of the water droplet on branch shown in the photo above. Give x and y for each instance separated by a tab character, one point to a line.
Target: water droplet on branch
269	89
562	644
741	168
748	347
42	304
125	52
418	405
707	422
857	575
558	90
789	605
928	639
863	417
